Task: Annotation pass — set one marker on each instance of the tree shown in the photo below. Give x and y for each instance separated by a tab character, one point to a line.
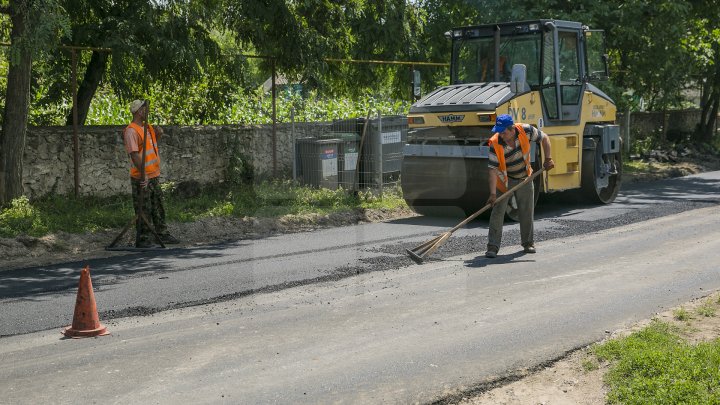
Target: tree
152	42
26	38
703	43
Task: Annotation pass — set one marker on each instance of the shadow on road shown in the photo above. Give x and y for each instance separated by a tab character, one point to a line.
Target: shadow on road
482	261
35	282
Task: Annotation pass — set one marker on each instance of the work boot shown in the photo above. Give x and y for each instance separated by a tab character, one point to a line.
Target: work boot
169	239
491	252
529	248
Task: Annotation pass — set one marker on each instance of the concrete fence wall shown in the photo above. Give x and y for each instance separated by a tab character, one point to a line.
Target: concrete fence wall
210	154
207	154
646	124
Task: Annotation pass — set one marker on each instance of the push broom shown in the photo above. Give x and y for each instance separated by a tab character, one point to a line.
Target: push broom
420	252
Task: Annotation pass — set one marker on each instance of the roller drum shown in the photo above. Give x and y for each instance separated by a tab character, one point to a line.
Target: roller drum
444	186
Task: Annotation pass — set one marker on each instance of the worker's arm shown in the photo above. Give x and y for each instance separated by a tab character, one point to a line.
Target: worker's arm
137	161
548	164
492	182
130	138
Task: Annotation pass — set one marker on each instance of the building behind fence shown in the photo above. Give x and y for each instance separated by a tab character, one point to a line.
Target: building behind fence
328	154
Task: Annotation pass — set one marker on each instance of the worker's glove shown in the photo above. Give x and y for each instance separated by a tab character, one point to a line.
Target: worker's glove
491	199
549	164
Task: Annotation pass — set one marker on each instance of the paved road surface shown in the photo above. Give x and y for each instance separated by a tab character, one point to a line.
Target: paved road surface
400	334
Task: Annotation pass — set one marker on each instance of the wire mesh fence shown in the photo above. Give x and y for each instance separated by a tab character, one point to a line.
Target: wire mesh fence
353	154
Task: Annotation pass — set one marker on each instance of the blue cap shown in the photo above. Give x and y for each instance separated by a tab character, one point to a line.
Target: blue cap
503	121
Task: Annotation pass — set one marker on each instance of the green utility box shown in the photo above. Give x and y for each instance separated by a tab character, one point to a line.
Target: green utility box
382	150
318	162
348	151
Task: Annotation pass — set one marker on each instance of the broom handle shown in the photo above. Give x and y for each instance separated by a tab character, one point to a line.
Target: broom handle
503	196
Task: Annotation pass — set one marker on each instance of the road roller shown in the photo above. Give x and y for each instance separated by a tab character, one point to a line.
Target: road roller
541	73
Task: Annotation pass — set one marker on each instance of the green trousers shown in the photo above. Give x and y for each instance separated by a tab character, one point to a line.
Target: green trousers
525	198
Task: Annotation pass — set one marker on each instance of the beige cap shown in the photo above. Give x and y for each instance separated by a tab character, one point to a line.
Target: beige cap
135	105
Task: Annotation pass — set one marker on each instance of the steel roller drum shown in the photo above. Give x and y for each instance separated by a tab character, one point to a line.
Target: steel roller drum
444	186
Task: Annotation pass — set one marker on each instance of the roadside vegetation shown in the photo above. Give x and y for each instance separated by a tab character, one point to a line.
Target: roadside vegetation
660	365
254	108
270	199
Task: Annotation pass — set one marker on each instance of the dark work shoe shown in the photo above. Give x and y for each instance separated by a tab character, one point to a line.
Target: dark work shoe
169	239
529	248
491	252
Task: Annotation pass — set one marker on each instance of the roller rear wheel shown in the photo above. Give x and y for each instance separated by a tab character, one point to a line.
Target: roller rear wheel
601	174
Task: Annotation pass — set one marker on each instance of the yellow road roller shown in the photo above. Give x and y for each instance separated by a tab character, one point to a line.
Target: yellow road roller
540	72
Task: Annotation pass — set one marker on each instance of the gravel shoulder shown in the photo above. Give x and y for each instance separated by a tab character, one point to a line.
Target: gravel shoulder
578	378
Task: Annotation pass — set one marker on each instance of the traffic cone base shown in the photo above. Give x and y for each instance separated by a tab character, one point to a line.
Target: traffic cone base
86	322
74	333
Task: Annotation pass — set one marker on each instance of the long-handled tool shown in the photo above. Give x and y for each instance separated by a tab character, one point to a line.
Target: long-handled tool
418	253
140	216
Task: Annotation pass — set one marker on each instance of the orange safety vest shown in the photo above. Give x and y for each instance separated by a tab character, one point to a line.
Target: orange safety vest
152	156
502	183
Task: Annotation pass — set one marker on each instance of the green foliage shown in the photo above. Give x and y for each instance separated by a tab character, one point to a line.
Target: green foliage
21	218
655	366
681	314
706	309
106	109
270	199
636	166
589	365
46	23
275	199
642	145
63	214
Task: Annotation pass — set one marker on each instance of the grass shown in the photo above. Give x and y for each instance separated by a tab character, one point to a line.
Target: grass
681	314
270	200
589	365
636	166
706	309
656	366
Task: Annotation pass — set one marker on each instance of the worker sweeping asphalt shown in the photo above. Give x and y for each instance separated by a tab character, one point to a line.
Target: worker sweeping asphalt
509	165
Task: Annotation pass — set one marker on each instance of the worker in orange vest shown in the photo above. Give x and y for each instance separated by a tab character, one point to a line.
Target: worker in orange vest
509	164
153	208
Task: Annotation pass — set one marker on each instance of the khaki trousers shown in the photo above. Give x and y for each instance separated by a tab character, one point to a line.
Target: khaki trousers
525	197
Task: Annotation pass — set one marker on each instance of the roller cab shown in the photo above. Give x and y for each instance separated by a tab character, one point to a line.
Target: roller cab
539	72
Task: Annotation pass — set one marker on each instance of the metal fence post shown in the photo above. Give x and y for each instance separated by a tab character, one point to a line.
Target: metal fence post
627	131
293	137
76	141
380	139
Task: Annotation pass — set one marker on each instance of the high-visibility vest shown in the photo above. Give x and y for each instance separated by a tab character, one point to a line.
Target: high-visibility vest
502	176
152	156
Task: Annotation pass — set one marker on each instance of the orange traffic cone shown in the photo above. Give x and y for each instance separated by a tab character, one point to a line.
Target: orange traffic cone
86	322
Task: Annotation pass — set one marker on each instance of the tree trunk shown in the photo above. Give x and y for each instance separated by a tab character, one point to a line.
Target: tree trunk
709	116
12	144
711	106
89	85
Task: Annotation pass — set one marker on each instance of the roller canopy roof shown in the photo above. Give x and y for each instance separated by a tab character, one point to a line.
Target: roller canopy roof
465	97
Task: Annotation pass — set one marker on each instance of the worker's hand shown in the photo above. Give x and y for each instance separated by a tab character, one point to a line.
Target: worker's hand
491	199
549	164
144	183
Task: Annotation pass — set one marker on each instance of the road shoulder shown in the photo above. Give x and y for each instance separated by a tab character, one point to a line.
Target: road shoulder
579	378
